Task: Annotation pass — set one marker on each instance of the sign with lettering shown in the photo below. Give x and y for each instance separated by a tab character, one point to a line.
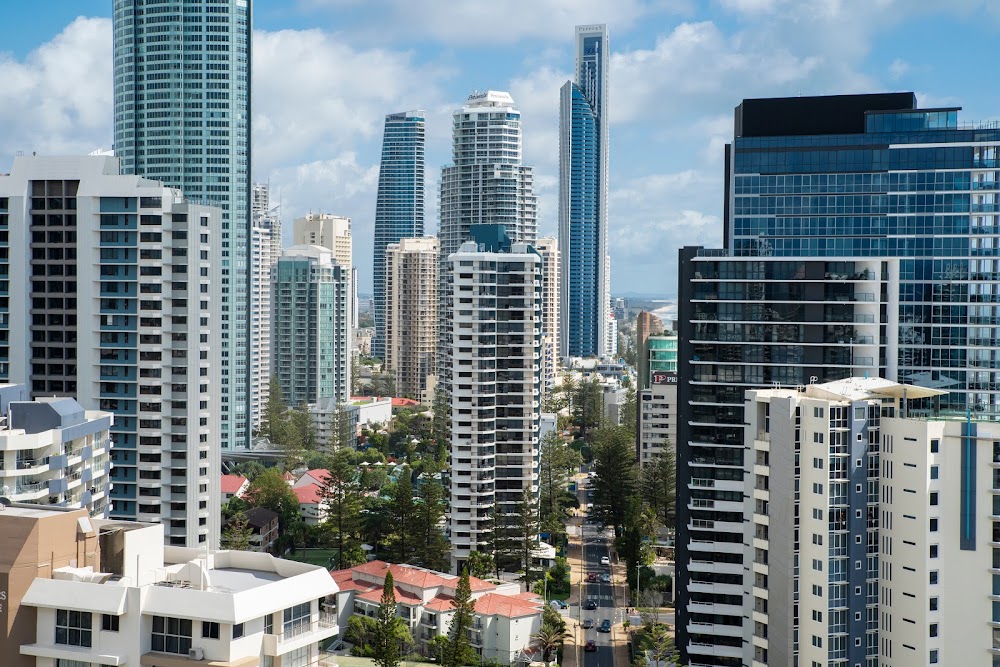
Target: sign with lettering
662	377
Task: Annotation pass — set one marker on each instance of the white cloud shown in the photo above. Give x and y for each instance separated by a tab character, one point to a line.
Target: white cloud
58	100
898	68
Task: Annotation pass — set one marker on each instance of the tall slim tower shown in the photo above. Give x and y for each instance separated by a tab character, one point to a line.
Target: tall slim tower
548	249
411	323
182	116
583	197
265	248
399	209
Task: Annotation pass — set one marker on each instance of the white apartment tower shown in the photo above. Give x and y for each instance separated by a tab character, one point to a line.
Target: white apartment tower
495	357
265	247
113	296
332	232
410	320
548	249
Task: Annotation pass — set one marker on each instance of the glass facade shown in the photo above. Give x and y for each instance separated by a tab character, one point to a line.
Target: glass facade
182	116
583	193
399	210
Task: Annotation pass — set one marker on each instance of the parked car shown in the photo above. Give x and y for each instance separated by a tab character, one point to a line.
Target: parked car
590	646
592	577
590	604
605	626
559	604
605	560
605	578
588	623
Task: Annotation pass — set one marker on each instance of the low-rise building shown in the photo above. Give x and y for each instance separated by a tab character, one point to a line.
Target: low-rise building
504	621
83	591
360	411
53	452
263	524
233	486
312	508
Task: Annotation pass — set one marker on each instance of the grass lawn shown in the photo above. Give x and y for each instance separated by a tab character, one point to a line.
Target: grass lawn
314	556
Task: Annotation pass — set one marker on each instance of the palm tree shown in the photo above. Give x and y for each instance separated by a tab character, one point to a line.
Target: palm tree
548	638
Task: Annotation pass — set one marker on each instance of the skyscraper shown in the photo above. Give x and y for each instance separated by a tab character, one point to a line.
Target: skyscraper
399	209
411	323
495	408
860	237
265	249
332	232
548	250
311	330
182	116
113	296
583	197
485	184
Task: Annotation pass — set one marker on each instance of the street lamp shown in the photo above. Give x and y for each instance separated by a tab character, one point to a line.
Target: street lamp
638	571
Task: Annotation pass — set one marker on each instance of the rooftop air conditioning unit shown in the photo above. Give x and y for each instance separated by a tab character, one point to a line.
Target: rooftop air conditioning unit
196	654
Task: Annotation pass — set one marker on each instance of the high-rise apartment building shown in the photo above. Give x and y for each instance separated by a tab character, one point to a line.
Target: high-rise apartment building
265	247
411	323
182	116
332	232
583	197
495	310
646	325
134	334
486	184
657	399
893	209
311	332
399	208
548	249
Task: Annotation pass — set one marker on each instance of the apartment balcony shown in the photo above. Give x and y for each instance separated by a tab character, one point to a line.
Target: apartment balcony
717	650
716	547
297	635
715	629
714	566
717	589
715	609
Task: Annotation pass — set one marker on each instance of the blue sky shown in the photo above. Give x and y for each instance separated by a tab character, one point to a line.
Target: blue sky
327	71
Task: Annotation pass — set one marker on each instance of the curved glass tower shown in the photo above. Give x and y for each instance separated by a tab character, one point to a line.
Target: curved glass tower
182	116
583	196
399	211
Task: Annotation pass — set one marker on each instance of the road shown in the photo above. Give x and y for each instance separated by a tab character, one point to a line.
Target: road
596	546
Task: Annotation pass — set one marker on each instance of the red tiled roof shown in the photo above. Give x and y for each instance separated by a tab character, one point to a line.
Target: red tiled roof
478	584
493	604
404	402
527	595
287	476
233	483
402	596
440	603
318	474
308	494
404	574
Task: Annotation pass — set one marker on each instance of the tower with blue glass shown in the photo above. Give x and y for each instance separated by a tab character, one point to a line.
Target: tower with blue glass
583	198
399	209
182	116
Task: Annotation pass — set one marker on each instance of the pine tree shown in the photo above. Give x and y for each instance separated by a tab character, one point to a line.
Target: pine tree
402	512
237	534
275	414
658	483
431	545
341	496
458	652
525	525
617	474
386	628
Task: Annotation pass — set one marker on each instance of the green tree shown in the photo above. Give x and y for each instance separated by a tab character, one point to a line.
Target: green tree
341	495
588	406
630	411
402	512
376	523
557	461
525	524
458	652
237	534
249	469
481	564
387	624
441	423
273	424
271	491
341	435
301	435
658	483
548	639
617	475
432	549
663	651
360	632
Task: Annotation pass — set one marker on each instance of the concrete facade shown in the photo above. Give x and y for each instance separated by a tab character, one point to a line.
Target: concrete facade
411	323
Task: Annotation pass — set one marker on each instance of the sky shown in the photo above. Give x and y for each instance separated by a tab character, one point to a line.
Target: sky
327	71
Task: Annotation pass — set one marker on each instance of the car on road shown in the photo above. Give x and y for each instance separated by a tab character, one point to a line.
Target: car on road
605	578
559	604
592	578
588	623
605	560
605	626
590	604
590	646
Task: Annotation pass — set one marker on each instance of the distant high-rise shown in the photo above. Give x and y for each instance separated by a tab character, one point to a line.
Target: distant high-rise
399	209
485	184
114	297
182	116
332	232
411	323
311	330
548	249
265	248
495	344
583	198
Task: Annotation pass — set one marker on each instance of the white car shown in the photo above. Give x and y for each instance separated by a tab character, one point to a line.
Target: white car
605	560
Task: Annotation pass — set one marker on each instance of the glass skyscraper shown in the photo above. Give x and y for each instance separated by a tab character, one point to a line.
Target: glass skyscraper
861	239
583	197
182	116
399	210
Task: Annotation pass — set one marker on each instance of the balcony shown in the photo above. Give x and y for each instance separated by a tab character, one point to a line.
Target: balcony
301	633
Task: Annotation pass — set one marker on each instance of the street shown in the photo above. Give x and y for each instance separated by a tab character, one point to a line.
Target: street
595	546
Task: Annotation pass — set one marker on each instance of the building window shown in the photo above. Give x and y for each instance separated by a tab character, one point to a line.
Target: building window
933	577
298	658
934	525
934	497
933	551
209	630
66	662
935	446
933	630
934	472
74	628
110	622
934	657
934	604
171	635
239	630
295	620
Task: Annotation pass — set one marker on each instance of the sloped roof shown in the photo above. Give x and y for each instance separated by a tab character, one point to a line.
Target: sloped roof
402	596
493	604
233	483
258	517
308	494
